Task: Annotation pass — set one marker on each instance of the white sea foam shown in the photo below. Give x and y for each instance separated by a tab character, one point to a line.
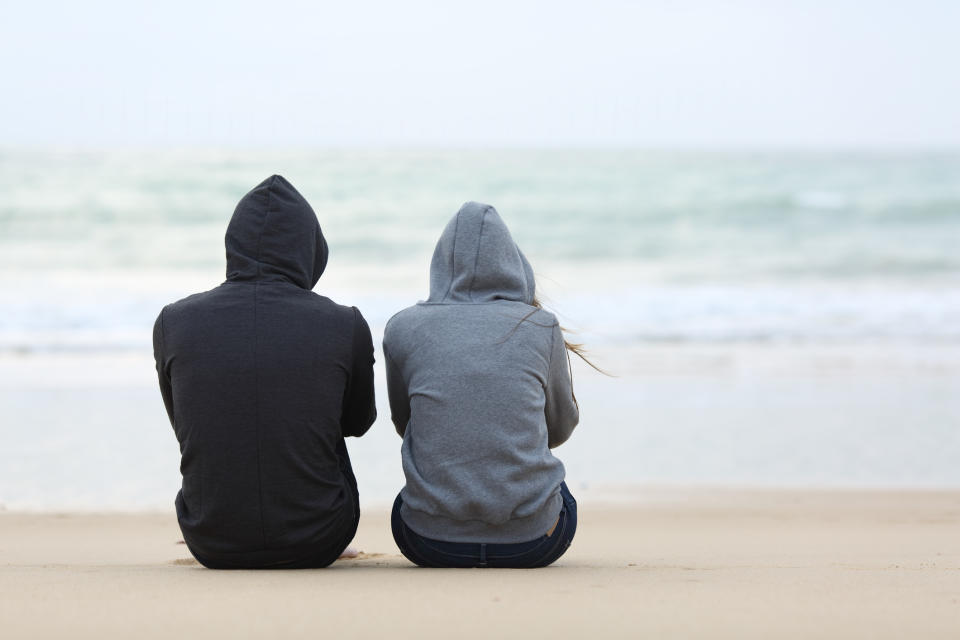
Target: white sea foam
106	321
773	318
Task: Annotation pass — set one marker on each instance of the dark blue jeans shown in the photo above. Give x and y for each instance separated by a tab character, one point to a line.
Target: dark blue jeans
540	552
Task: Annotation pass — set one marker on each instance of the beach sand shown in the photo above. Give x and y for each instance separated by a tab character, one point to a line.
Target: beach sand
651	563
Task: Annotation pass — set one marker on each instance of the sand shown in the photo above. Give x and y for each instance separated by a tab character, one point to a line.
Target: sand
656	563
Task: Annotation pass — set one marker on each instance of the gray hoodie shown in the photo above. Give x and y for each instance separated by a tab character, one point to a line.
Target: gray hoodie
480	390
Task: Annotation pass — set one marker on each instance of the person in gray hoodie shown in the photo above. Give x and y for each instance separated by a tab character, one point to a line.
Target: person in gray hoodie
479	385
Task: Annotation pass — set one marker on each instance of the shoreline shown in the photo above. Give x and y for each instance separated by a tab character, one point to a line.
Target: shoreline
680	562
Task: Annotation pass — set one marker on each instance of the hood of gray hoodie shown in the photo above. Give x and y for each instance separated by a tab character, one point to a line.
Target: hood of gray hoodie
274	235
476	260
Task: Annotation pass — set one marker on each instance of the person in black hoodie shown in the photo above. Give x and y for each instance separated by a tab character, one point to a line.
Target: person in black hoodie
262	379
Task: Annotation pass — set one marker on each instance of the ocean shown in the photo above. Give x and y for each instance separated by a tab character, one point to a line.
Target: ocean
770	318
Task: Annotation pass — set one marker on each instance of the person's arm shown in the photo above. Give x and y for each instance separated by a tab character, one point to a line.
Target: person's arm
359	403
561	409
166	389
397	391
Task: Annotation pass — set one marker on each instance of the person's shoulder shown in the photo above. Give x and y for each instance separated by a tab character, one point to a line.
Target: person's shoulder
544	317
534	326
402	320
535	316
185	305
344	312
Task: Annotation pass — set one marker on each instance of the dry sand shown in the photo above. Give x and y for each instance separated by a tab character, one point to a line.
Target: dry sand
659	563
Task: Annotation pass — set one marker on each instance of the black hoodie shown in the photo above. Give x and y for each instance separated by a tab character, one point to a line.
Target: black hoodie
262	379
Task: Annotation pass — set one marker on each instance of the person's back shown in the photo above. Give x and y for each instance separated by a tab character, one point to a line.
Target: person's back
262	379
480	390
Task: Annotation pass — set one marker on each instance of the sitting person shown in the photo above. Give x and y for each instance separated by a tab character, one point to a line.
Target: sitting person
262	379
479	384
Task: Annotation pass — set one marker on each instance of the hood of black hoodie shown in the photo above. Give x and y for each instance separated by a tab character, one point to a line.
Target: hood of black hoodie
476	260
274	235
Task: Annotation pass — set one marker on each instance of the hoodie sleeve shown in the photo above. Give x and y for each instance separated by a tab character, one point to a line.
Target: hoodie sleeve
397	391
359	404
562	412
166	389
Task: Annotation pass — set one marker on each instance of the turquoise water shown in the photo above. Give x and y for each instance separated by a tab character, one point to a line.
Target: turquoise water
684	216
632	246
773	319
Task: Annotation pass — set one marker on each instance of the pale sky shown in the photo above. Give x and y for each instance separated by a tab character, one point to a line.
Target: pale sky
675	74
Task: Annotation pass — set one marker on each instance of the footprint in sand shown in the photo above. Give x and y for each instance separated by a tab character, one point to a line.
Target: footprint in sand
185	562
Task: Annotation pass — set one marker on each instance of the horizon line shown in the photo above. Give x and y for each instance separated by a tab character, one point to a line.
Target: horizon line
415	148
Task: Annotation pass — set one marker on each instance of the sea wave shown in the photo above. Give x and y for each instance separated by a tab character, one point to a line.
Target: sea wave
641	246
692	215
612	315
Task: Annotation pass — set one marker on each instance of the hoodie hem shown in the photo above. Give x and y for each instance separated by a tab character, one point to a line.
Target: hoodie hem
333	533
270	558
512	531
